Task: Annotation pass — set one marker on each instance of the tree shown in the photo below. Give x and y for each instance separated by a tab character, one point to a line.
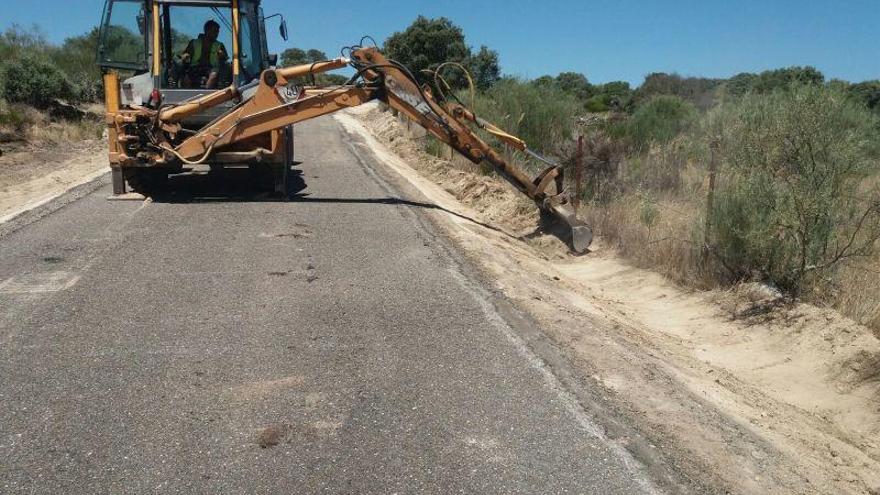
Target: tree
298	56
427	43
575	84
484	67
544	81
614	95
740	84
866	93
772	80
294	56
698	90
17	41
315	55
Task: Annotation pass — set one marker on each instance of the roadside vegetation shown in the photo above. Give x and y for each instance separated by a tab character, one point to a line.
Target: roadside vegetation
48	92
771	177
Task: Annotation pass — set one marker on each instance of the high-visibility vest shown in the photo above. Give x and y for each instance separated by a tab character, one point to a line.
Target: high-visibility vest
214	57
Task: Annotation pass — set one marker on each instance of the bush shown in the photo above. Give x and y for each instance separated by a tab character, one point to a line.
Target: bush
697	90
35	81
789	205
542	115
866	93
659	120
598	104
773	80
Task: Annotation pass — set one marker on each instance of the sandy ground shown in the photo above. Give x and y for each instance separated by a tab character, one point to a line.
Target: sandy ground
30	175
736	391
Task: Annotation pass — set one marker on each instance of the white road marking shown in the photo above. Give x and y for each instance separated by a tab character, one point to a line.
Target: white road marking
33	283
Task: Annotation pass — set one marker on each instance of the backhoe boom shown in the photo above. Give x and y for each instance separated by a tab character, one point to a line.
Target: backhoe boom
273	107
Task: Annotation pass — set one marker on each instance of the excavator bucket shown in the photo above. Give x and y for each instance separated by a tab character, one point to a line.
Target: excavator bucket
579	234
557	209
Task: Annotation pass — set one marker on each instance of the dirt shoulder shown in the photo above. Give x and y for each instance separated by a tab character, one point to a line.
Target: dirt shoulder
737	392
31	174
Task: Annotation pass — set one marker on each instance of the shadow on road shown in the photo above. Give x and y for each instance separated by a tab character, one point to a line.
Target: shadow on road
257	184
232	184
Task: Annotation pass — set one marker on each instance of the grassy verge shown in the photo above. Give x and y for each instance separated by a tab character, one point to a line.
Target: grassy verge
24	124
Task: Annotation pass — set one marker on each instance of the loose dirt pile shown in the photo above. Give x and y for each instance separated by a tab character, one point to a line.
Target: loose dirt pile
739	391
29	173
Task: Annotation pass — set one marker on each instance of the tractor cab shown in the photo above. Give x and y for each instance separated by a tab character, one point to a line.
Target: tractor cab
177	50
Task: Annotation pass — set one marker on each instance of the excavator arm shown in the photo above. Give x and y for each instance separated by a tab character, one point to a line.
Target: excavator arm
272	107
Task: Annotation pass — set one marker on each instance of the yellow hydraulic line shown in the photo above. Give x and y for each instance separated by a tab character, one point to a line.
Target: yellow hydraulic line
315	68
489	127
236	31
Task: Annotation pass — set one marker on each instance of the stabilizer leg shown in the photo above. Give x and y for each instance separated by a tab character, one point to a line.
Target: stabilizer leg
118	181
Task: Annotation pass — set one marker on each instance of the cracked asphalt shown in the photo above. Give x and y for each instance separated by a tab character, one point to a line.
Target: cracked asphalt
215	341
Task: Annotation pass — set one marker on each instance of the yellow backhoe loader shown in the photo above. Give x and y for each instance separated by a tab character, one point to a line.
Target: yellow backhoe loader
203	89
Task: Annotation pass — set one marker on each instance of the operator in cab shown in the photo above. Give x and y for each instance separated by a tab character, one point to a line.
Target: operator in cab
205	57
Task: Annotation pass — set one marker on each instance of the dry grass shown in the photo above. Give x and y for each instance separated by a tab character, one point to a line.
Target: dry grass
657	222
857	293
652	234
24	124
57	133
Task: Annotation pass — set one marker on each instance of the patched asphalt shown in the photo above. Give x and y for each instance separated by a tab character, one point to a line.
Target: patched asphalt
203	343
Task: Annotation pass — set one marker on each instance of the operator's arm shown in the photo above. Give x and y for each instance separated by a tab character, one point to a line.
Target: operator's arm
187	53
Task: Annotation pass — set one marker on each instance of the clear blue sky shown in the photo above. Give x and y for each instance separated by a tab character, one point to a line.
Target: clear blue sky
605	39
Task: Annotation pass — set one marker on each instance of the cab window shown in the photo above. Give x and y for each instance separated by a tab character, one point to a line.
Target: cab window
251	45
181	27
123	35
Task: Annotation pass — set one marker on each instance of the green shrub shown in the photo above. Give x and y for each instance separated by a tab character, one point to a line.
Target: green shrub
791	202
597	104
699	91
542	115
35	81
659	120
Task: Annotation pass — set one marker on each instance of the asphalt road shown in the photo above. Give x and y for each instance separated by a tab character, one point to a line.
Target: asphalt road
217	342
